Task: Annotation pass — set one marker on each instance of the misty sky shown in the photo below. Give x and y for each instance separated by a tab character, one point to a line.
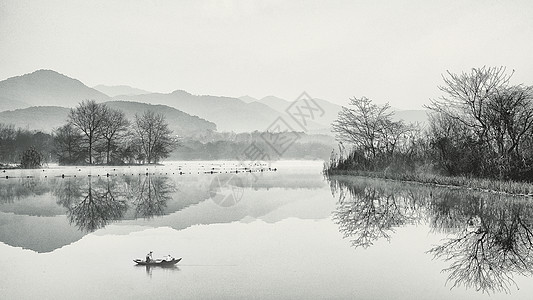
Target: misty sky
391	51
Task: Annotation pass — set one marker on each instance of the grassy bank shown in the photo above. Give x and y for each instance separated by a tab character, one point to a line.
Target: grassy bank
486	185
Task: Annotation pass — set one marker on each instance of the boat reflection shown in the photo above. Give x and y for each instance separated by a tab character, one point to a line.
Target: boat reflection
489	236
149	269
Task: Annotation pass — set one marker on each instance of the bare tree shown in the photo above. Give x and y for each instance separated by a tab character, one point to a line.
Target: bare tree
154	136
467	95
31	159
494	118
370	128
8	135
362	124
68	144
510	120
89	117
114	125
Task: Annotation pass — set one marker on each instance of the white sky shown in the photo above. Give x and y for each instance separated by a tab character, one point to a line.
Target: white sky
391	51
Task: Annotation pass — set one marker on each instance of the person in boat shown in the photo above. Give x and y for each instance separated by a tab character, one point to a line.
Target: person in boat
149	257
169	258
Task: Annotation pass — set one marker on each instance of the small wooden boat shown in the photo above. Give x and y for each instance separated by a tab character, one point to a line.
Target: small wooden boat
157	262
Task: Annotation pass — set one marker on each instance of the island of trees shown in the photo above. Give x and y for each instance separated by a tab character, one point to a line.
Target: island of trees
481	127
93	134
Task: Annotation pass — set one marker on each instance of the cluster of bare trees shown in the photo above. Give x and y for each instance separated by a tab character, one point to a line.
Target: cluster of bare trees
23	146
96	133
481	126
376	139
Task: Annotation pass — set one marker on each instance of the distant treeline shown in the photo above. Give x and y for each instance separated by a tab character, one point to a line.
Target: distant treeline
15	141
254	145
93	134
97	134
482	126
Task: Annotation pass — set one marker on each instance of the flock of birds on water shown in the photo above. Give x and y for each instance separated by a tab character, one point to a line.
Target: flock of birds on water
189	168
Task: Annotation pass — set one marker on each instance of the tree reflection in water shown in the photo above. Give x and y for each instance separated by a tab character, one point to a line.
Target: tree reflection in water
150	195
91	205
493	244
19	188
489	239
366	214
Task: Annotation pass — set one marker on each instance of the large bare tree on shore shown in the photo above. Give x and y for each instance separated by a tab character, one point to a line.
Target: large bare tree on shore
369	127
67	144
466	96
154	136
89	117
495	120
114	126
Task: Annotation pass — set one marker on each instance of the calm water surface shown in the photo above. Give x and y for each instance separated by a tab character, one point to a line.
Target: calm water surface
284	234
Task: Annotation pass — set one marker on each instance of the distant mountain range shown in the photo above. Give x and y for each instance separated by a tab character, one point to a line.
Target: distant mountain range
40	100
118	90
45	88
332	110
47	118
181	123
42	118
230	114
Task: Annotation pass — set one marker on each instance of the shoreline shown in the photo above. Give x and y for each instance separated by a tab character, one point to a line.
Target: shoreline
511	188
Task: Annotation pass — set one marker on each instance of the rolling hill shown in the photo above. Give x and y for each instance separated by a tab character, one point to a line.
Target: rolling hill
230	114
245	114
117	90
47	118
45	87
181	123
331	111
247	99
41	118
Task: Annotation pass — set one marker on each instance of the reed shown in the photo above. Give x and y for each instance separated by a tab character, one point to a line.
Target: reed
482	184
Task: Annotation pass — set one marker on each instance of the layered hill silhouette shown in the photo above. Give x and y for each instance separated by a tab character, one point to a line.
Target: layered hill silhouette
47	118
117	90
45	88
230	114
332	110
40	100
41	118
181	123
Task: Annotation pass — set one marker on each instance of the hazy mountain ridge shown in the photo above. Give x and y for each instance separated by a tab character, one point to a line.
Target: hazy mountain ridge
47	118
41	118
45	87
244	114
180	122
230	114
332	110
247	99
119	90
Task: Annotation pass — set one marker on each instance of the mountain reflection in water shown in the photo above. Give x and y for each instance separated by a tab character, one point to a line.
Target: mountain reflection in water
489	236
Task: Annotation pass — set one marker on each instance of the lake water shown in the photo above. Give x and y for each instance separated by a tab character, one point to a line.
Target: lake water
283	234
